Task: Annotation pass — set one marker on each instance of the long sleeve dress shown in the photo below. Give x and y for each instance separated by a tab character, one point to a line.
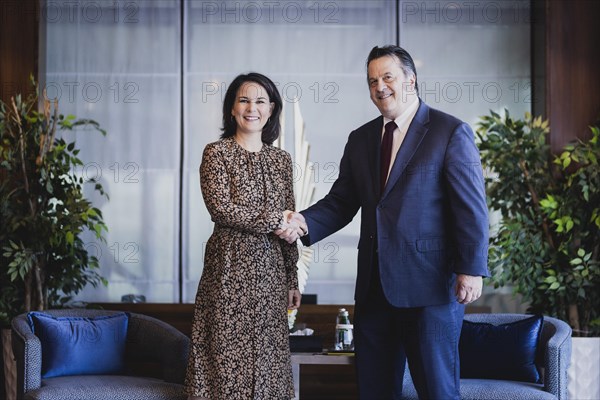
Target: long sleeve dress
239	341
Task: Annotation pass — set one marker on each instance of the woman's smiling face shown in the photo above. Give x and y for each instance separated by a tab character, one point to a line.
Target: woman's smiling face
251	108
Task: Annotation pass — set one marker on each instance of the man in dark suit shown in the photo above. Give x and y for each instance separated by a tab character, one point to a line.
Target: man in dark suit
416	175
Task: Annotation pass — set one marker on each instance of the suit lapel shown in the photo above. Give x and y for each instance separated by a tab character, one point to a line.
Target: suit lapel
414	136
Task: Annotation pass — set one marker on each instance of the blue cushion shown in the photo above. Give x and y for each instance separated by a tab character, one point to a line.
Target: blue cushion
504	351
80	346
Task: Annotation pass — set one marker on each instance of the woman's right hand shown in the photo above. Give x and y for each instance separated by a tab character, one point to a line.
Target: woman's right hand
292	227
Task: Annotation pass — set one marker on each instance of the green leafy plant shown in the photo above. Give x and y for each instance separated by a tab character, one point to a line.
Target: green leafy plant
547	242
43	211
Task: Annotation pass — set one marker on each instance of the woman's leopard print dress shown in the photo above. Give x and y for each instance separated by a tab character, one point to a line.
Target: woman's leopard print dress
240	345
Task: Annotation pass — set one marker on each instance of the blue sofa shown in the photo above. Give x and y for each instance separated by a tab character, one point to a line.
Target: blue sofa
155	355
555	346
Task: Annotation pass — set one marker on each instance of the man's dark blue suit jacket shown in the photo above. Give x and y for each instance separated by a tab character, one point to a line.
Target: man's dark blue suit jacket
430	223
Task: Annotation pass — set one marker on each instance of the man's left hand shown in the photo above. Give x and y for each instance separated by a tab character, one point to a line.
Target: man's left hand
468	288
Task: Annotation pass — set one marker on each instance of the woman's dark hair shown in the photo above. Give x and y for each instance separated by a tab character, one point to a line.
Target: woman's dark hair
406	62
271	130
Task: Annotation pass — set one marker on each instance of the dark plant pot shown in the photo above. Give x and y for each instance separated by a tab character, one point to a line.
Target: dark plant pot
2	384
8	383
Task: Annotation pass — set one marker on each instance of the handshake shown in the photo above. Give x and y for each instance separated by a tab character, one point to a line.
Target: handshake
293	227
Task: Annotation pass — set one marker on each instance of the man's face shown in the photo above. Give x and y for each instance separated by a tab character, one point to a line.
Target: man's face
391	90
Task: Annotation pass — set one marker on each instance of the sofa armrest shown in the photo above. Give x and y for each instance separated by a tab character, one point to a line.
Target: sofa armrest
557	356
149	339
28	353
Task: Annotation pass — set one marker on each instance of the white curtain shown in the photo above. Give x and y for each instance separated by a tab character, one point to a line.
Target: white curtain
315	51
471	57
154	73
119	63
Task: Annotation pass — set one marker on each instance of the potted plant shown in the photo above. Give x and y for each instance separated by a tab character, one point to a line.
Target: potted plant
546	244
43	260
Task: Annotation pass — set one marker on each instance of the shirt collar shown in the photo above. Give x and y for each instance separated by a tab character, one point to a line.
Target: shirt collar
406	117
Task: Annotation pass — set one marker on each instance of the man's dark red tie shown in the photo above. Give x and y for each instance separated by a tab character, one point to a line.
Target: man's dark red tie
386	152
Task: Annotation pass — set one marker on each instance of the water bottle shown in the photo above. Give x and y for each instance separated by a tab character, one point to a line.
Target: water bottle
344	339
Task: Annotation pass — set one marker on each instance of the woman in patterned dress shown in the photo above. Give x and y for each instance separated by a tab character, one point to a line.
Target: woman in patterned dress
240	344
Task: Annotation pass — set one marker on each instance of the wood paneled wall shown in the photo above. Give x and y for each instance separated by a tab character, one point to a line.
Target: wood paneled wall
19	46
572	69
